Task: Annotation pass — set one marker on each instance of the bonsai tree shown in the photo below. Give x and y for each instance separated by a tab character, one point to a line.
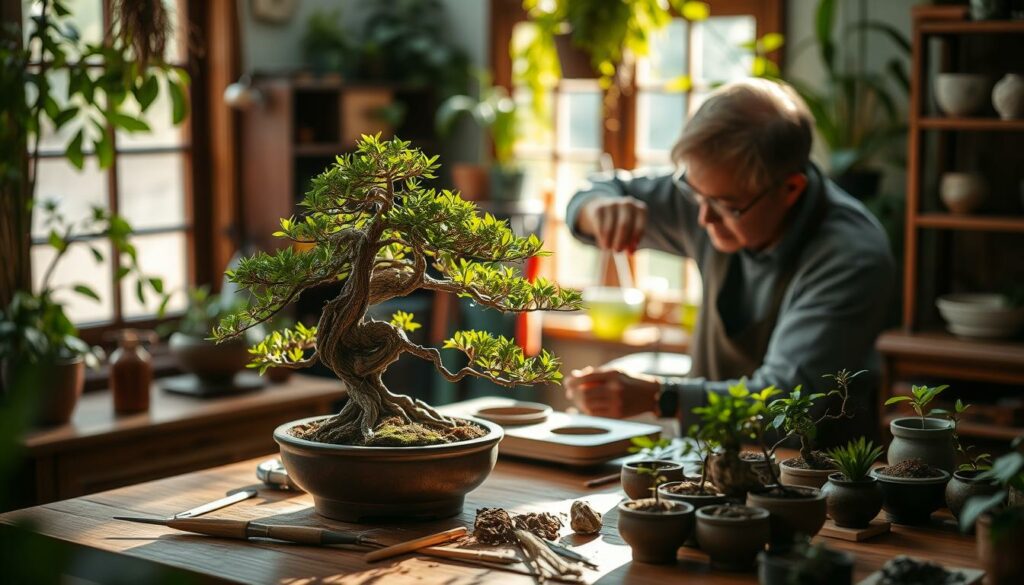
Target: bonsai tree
370	224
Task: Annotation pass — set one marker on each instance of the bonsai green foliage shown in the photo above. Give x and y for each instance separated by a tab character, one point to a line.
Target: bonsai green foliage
733	417
792	416
854	460
374	228
656	479
495	111
1008	472
920	397
660	448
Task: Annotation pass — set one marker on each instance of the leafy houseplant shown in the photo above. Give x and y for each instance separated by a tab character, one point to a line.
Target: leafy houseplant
655	528
326	45
925	437
215	365
370	224
853	497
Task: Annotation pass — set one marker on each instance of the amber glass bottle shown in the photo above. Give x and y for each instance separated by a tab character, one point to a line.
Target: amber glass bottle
131	373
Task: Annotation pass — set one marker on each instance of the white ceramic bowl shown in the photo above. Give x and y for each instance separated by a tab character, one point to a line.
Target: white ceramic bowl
980	315
613	309
962	94
962	193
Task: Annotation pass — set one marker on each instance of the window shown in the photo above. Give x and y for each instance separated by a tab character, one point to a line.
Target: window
559	153
149	184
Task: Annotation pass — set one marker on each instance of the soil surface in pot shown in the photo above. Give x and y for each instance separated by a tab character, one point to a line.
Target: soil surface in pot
822	462
752	456
737	512
693	488
912	468
781	492
651	505
395	432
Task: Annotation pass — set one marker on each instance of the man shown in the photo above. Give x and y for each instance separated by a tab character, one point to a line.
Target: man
797	274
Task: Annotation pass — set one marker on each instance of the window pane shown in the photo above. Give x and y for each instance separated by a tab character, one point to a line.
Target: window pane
534	133
660	118
571	177
716	45
667	59
538	179
76	192
575	262
158	116
151	189
661	265
176	50
78	266
579	117
161	255
86	16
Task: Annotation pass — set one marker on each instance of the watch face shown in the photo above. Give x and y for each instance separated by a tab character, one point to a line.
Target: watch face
276	11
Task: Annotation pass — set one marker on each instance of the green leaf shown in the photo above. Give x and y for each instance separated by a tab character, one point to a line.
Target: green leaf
139	292
157	284
770	42
104	150
96	253
122	271
65	116
696	11
127	122
896	399
58	243
682	83
179	107
86	292
147	92
74	150
976	506
824	21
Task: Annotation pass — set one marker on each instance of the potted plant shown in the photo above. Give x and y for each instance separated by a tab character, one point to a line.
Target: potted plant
699	493
999	519
732	535
923	437
494	112
805	564
374	227
326	46
967	481
214	364
912	490
791	416
852	496
637	479
654	528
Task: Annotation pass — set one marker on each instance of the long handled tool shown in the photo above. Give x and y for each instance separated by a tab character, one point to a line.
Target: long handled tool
246	529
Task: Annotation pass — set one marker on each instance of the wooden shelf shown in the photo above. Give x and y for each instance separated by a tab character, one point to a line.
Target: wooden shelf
949	221
976	124
321	149
941	355
973	27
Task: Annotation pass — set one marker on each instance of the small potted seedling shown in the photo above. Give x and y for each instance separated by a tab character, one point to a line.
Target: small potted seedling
655	455
925	436
733	535
912	490
852	496
652	527
698	493
967	481
792	416
999	520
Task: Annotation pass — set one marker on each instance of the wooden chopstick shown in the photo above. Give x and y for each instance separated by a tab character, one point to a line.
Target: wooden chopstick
503	557
415	544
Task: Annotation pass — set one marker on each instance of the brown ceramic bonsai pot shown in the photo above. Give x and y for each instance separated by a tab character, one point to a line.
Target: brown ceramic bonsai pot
790	474
698	501
1001	558
794	512
735	474
212	363
964	485
911	500
932	443
732	537
655	536
852	504
639	486
354	484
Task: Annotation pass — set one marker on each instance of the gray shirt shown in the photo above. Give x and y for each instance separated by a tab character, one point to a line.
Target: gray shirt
833	309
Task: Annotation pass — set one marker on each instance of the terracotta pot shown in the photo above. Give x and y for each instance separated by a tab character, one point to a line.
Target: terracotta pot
813	478
1001	558
473	182
852	504
733	475
655	537
932	444
697	502
61	384
1008	97
964	485
639	486
574	61
213	363
792	517
732	543
911	500
785	569
354	484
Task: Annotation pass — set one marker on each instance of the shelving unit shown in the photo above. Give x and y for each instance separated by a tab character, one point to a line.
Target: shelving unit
942	248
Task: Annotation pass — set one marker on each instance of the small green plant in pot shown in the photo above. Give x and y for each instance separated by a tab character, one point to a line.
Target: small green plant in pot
968	480
912	489
655	528
637	477
924	436
697	493
215	365
852	496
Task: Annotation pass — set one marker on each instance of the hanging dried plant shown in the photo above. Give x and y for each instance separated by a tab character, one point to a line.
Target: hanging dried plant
144	26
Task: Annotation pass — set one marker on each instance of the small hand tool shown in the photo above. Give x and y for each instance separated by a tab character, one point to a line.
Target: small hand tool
570	554
246	529
216	504
415	544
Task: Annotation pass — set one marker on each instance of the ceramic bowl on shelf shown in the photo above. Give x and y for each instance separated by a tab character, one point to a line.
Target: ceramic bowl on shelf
962	94
980	315
962	193
613	309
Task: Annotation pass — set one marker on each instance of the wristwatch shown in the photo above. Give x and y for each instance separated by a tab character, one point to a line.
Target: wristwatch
668	400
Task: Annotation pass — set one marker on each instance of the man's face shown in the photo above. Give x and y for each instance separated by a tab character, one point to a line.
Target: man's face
763	212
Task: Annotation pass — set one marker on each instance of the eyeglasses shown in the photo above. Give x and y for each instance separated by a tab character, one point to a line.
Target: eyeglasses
713	202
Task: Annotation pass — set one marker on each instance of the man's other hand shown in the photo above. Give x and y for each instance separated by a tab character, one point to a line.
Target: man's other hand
611	393
616	223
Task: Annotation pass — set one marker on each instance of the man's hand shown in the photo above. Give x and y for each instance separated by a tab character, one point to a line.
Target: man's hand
617	223
611	393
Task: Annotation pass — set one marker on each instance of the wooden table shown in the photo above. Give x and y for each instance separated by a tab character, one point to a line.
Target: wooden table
86	523
100	450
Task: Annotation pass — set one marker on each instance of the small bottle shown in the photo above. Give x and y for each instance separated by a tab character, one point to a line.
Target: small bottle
131	373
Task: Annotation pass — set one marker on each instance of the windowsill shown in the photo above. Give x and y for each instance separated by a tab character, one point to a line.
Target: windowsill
644	336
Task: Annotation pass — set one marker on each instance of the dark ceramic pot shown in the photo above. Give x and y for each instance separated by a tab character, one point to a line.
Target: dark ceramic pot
964	485
932	444
784	569
59	382
353	484
852	504
639	486
792	517
733	543
655	537
911	500
813	478
735	476
697	502
212	363
1001	558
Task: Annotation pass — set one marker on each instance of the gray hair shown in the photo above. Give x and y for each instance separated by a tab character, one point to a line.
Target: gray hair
761	128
